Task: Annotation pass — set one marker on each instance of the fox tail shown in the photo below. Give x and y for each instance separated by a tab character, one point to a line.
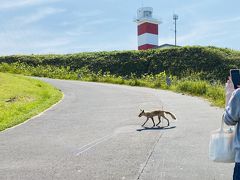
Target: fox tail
173	116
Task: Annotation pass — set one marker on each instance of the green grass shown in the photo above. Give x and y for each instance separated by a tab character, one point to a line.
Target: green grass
23	97
214	93
192	84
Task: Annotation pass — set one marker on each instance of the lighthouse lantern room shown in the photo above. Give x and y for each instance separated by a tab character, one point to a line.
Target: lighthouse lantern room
147	29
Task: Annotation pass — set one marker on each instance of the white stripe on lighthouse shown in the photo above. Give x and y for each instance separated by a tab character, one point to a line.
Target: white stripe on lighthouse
148	38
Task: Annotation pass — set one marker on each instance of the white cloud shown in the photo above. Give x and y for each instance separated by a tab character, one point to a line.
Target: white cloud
219	21
6	4
100	21
36	41
36	16
82	18
31	41
205	31
78	32
85	14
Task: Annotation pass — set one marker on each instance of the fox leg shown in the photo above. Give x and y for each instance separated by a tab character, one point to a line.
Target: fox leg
166	119
159	118
153	121
145	122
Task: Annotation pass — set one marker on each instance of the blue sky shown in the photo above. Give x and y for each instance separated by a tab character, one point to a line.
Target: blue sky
71	26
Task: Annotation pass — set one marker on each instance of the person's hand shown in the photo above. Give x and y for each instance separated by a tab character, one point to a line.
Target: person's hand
229	88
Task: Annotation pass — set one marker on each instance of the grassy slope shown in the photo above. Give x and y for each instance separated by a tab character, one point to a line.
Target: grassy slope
22	98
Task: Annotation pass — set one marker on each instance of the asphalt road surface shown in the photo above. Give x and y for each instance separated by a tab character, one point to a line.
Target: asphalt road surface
95	133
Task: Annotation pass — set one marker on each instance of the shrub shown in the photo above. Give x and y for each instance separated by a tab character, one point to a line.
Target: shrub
211	62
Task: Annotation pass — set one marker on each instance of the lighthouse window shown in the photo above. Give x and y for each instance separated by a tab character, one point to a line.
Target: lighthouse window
147	14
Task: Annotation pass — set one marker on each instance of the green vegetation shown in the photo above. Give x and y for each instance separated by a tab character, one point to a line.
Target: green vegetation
196	70
213	63
22	98
192	84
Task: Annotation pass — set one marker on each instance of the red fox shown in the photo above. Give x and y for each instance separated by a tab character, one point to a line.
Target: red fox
158	113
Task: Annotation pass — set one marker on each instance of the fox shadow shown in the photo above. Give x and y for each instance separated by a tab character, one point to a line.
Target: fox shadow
155	128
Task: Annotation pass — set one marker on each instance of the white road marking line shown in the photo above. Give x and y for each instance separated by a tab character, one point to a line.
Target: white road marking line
93	144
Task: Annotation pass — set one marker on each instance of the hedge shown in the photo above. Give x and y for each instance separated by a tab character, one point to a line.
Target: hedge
210	62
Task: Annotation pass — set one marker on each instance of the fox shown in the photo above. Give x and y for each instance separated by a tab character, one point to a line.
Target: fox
159	113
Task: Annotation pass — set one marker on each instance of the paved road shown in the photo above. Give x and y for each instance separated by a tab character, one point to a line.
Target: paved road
94	133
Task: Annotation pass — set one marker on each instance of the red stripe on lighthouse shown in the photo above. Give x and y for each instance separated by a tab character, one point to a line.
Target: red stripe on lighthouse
147	28
146	46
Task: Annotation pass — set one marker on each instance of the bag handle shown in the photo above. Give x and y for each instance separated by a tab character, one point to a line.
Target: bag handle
222	126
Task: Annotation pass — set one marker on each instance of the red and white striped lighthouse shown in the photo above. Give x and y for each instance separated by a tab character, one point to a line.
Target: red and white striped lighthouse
147	29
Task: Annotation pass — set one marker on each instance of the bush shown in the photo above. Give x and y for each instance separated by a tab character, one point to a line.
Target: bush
211	62
193	87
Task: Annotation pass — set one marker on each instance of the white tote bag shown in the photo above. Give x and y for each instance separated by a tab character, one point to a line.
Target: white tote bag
221	145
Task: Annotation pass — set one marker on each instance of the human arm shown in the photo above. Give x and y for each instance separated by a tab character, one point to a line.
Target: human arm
232	112
229	88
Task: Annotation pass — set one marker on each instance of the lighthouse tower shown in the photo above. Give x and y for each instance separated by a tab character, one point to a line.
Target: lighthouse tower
147	29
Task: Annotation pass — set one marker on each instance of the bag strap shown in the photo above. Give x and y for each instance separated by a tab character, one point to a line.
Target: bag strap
222	124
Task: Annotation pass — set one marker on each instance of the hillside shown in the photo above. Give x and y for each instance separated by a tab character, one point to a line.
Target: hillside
211	62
